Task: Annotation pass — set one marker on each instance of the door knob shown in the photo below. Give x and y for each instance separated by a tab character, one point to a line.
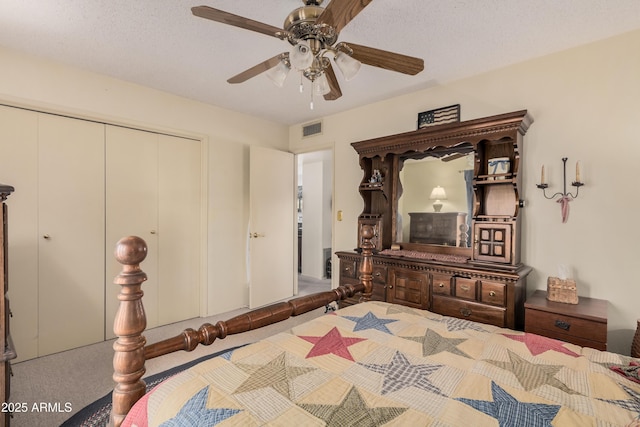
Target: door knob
46	236
256	235
153	231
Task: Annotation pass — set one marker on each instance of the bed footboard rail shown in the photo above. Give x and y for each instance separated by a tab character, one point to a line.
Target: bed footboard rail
189	339
131	351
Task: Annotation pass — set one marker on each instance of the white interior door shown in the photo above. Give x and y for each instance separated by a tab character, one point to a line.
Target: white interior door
271	226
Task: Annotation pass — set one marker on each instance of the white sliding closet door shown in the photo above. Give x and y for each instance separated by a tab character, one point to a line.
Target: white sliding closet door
153	191
179	228
70	233
19	168
132	210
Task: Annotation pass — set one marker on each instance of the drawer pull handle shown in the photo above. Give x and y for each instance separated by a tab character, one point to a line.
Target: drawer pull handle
563	325
390	286
378	274
464	288
441	285
465	312
492	293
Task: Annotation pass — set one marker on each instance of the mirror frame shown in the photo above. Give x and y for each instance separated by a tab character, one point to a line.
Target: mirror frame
387	151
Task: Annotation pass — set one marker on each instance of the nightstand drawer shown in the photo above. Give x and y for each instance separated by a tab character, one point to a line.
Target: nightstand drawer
583	324
566	328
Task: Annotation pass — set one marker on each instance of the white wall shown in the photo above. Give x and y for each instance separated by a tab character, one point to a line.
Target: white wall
584	102
45	85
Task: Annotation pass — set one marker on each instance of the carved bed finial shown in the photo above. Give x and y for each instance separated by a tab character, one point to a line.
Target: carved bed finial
366	266
128	325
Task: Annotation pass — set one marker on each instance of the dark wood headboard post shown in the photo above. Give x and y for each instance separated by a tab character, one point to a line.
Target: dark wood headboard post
129	323
366	267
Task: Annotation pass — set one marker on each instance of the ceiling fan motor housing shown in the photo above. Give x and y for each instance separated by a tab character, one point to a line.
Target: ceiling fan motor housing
301	24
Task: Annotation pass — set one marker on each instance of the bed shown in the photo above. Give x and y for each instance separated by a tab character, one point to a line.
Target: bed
372	363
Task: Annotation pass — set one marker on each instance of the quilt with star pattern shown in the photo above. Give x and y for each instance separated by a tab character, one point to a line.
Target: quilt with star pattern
375	364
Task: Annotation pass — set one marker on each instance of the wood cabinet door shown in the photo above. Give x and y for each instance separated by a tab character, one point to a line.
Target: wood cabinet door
492	242
408	287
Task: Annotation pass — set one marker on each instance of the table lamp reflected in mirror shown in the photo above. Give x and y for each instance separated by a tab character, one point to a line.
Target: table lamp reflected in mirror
438	194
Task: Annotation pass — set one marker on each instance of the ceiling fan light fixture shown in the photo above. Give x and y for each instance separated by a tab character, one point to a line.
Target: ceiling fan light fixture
301	56
279	73
347	65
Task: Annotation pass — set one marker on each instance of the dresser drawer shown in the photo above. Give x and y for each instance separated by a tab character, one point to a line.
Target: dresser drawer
469	310
493	293
465	288
579	331
441	284
379	275
348	269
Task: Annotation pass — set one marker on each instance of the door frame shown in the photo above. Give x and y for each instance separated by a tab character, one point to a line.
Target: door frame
330	148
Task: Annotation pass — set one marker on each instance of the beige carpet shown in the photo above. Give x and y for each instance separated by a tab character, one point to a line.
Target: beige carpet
68	381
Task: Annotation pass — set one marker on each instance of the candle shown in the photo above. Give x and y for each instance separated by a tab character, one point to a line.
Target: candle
577	171
542	175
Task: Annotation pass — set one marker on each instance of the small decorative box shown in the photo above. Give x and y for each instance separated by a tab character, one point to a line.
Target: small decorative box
562	290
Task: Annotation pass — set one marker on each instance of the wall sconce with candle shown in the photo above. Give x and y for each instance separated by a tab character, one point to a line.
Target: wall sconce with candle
564	196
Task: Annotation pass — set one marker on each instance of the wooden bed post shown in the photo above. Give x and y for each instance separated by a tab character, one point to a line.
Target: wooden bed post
129	323
366	267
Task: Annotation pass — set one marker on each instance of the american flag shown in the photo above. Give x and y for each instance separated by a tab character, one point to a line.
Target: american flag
439	116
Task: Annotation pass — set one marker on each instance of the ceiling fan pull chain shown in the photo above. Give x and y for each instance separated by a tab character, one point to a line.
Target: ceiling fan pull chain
311	104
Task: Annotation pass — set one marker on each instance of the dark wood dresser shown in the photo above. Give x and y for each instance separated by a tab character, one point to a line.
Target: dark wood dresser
459	290
8	351
426	259
583	324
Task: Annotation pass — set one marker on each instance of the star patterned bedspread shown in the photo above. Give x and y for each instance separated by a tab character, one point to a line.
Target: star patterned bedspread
376	364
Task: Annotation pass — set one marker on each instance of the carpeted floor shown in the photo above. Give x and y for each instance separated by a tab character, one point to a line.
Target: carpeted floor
55	387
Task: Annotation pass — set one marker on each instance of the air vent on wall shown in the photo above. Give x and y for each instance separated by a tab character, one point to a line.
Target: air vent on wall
311	129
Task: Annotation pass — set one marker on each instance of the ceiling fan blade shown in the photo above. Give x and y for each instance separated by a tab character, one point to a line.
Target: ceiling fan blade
340	12
235	20
255	70
333	84
453	157
387	60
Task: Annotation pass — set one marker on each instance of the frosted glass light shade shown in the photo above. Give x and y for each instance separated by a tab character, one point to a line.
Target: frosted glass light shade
278	74
321	85
347	65
301	56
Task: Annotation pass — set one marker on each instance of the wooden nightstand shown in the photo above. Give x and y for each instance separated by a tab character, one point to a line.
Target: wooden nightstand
583	324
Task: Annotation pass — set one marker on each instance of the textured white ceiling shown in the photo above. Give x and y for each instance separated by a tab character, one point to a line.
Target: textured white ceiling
159	43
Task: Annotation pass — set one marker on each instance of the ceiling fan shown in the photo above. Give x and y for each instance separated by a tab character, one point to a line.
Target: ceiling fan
313	33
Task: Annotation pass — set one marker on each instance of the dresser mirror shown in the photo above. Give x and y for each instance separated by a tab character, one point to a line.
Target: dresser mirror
418	223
